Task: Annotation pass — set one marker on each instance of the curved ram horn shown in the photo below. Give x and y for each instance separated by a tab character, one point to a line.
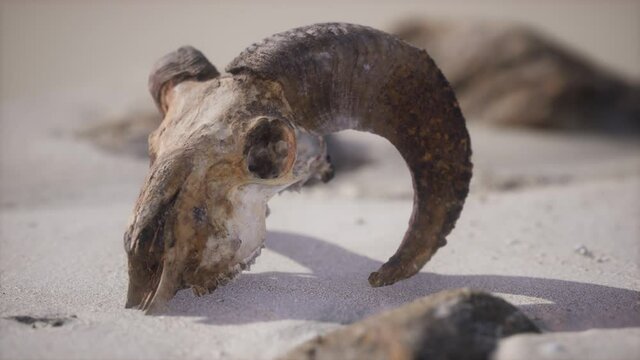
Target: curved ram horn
186	63
342	76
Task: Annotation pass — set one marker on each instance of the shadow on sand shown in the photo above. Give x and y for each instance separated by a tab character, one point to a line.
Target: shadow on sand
337	291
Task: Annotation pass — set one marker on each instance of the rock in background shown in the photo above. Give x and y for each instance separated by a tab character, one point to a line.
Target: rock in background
452	324
508	74
126	134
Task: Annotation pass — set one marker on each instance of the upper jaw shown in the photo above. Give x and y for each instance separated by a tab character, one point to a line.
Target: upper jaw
195	241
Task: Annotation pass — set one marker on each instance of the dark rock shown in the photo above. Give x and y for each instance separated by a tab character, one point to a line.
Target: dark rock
125	135
453	324
509	74
40	322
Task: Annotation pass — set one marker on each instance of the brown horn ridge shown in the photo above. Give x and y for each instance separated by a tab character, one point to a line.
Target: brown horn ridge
342	76
186	63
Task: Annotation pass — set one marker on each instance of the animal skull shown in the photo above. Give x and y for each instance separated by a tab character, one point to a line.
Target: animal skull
228	143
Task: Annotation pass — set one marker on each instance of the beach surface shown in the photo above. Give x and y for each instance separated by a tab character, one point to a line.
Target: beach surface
550	225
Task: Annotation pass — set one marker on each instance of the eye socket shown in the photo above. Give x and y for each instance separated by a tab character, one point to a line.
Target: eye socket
268	149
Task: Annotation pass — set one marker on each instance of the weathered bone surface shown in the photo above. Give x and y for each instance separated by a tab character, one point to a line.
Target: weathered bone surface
228	143
454	324
509	74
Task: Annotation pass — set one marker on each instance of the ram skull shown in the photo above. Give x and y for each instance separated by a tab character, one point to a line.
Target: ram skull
228	143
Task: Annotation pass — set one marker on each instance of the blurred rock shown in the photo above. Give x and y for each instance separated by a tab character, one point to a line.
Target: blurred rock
43	322
507	74
620	344
124	135
453	324
347	155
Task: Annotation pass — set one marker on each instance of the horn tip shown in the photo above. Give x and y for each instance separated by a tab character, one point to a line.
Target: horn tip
374	279
392	272
380	278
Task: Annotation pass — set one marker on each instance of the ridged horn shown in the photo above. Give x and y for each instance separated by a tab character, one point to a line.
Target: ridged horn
186	63
342	76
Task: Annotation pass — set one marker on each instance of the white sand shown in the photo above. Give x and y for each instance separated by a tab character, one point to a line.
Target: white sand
600	344
65	204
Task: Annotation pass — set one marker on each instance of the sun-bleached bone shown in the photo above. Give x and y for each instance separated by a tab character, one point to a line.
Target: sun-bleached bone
228	143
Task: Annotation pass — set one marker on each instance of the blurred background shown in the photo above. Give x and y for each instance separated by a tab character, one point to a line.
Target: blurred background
60	45
553	65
